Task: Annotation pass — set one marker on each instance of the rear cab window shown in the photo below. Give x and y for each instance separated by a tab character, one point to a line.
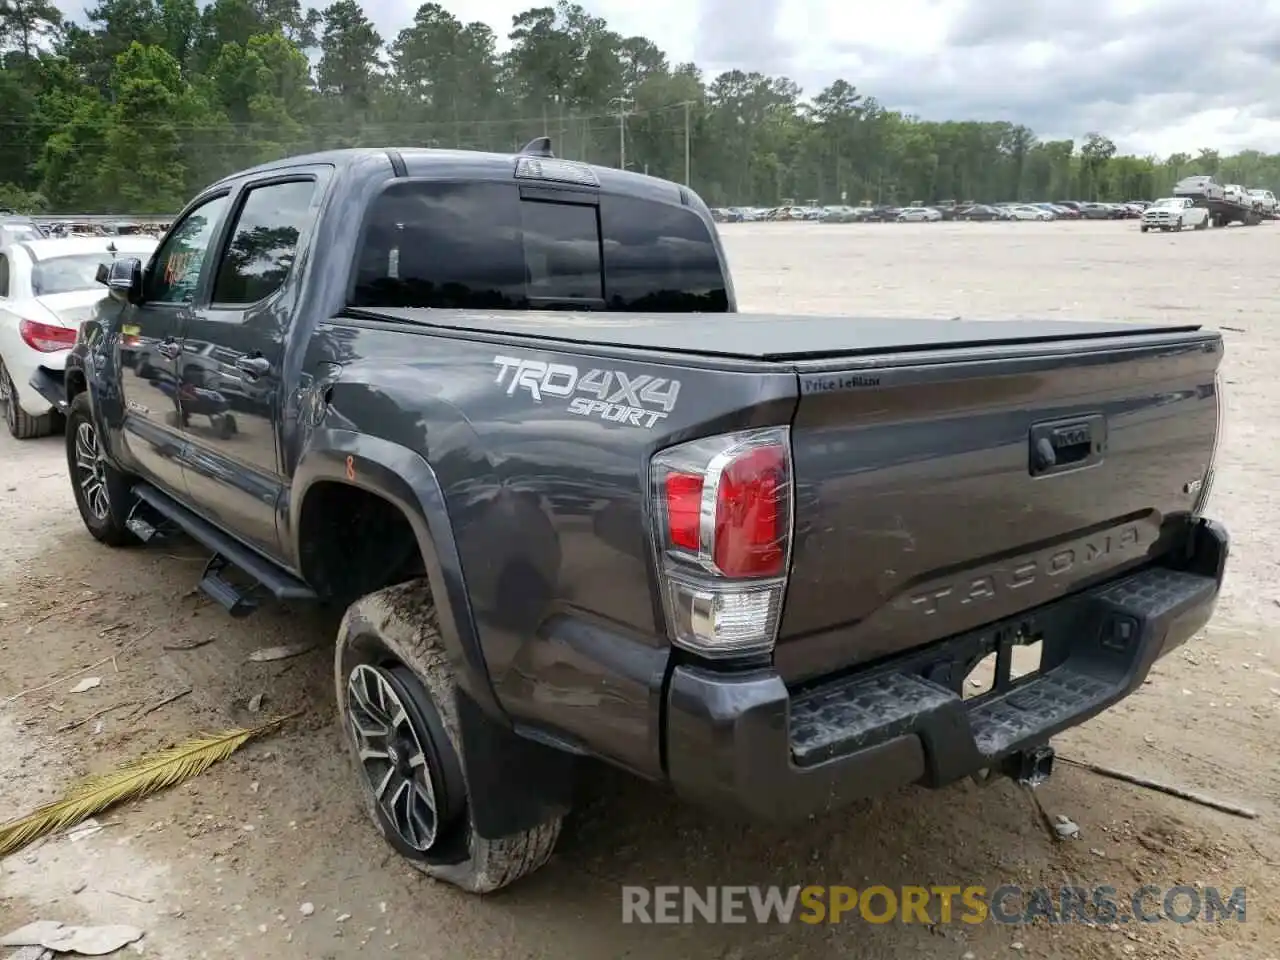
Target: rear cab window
482	245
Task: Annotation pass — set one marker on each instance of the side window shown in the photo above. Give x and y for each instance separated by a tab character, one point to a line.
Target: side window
265	240
175	269
659	258
4	275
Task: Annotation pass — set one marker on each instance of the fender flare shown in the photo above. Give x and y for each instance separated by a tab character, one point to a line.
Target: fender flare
514	783
406	480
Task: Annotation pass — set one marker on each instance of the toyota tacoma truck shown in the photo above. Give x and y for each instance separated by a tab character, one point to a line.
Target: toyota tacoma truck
503	409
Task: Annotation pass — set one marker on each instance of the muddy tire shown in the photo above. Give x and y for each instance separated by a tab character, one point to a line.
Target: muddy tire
22	425
398	715
102	492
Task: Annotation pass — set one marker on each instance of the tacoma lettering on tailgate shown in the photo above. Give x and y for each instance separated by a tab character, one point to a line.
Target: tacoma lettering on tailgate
610	395
983	585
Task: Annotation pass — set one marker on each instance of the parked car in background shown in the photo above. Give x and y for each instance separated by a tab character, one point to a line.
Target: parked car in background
1097	211
1174	213
918	215
839	213
1199	187
14	228
47	286
882	214
947	208
1027	211
980	211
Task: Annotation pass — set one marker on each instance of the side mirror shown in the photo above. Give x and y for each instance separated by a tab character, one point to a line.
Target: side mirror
122	278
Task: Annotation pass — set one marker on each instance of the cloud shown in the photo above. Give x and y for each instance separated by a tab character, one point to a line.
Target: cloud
1154	75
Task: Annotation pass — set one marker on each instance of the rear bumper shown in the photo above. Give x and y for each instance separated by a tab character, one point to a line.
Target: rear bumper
51	385
746	742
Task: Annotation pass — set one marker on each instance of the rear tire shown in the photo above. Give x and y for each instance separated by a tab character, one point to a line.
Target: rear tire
21	424
389	647
102	492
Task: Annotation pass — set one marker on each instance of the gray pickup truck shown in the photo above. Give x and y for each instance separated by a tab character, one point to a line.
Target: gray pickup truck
504	410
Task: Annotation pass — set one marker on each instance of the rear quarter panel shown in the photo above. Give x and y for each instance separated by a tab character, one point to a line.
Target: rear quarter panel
548	504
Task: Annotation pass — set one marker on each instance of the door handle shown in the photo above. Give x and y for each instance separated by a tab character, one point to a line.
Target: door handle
1067	444
253	367
169	349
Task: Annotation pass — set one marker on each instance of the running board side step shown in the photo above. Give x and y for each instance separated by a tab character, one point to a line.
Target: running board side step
228	554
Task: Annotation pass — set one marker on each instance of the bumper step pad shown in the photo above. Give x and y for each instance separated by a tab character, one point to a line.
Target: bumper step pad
1097	647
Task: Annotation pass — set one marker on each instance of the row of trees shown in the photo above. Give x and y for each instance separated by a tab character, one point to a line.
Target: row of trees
149	100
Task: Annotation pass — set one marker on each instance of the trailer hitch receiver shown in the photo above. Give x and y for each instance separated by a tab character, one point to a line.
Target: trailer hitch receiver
1030	767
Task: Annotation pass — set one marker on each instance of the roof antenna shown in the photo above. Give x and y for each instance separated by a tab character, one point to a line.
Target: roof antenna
537	147
112	248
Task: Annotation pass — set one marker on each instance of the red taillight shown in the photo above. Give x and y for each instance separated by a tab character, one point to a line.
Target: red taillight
45	337
684	508
750	539
724	570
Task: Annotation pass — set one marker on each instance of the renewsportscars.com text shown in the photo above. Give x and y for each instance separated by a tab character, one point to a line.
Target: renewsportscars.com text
1010	904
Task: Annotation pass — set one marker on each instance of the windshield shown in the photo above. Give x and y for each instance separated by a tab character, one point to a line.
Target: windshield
65	274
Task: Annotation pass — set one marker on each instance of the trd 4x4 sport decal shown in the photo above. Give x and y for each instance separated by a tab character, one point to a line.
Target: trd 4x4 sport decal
610	395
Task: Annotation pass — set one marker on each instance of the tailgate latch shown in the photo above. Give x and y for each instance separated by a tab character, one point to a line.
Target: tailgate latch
1060	445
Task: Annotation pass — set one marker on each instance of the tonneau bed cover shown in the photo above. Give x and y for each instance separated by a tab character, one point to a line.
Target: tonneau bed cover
767	336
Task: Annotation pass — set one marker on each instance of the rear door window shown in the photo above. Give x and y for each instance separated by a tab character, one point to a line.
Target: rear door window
260	253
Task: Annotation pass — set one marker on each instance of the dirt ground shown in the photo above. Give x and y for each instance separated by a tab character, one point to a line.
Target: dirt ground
220	867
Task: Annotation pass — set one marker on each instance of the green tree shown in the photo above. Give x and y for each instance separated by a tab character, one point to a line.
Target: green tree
349	68
153	109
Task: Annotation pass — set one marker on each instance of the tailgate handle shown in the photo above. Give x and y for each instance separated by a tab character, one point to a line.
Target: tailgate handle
1066	444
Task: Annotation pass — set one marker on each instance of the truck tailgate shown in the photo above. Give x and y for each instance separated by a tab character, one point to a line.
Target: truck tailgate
942	490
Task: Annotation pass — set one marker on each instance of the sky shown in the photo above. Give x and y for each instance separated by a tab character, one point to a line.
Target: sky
1157	76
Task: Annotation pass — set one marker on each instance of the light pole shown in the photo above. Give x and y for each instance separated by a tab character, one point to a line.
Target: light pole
687	105
622	103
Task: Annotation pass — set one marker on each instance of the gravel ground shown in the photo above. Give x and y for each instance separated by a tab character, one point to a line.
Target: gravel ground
221	866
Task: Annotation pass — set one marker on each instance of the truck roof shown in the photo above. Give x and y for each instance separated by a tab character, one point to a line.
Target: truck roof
765	336
467	164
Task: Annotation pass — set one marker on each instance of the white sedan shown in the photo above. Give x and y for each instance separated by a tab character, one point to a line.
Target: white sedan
1025	211
918	215
46	288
